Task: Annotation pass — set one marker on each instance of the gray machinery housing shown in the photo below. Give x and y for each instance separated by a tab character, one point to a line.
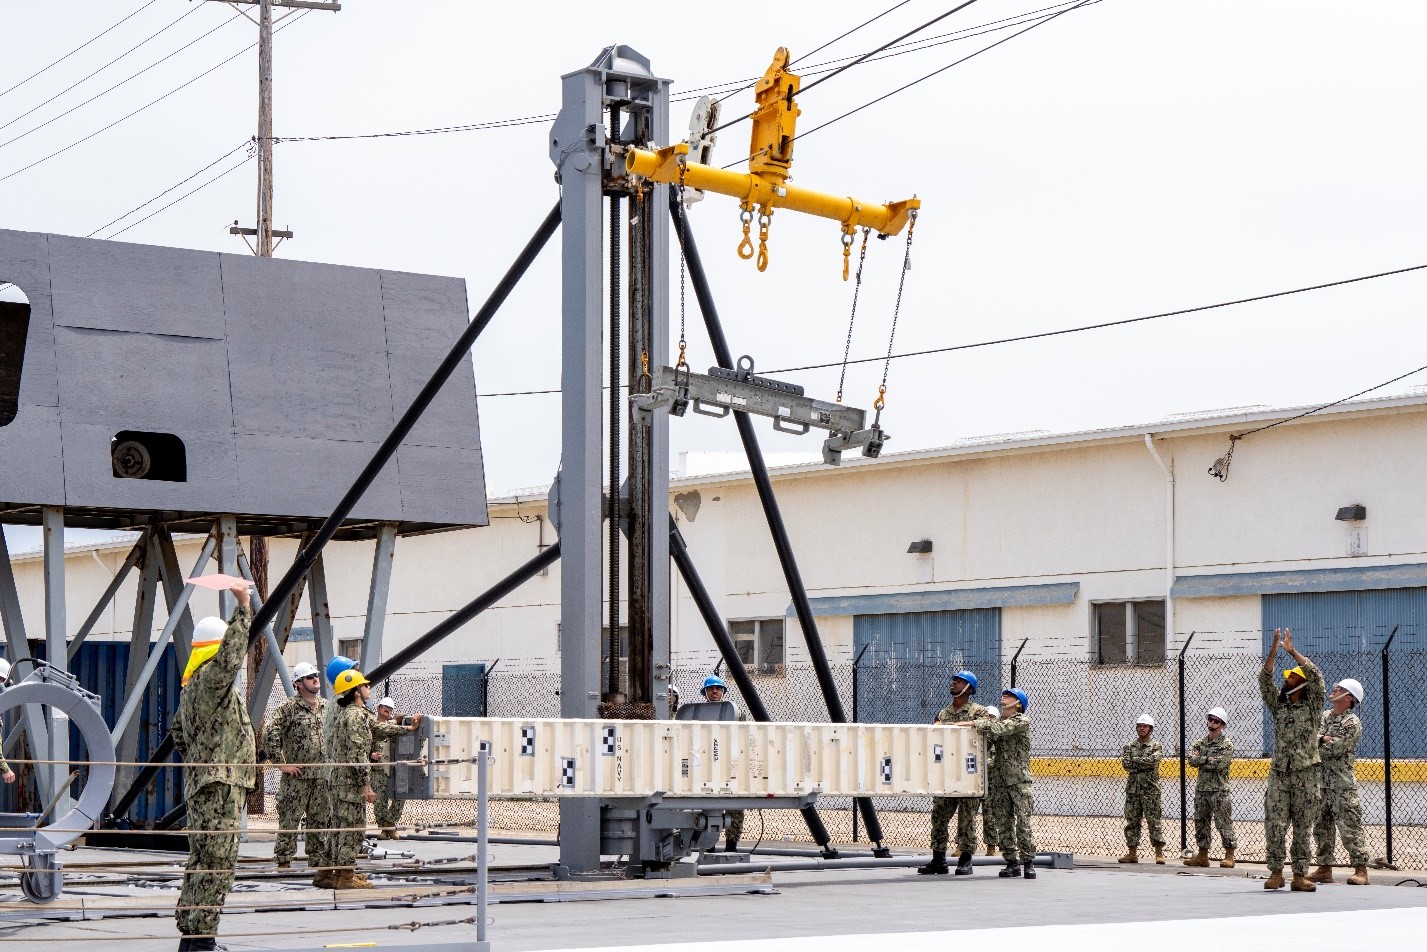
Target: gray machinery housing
143	380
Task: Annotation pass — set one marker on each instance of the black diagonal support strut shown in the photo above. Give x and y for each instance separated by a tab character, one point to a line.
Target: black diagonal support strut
309	553
771	512
679	552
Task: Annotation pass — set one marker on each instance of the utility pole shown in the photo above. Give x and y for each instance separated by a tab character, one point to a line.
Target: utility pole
263	231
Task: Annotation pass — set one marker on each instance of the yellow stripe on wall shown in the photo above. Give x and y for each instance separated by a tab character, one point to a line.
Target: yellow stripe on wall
1368	771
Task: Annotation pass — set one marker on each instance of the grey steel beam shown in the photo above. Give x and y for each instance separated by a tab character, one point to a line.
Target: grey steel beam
274	649
174	584
141	630
382	558
577	147
321	611
282	629
56	648
18	645
131	560
227	561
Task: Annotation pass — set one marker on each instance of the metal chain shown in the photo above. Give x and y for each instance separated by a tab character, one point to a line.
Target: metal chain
852	320
881	400
683	218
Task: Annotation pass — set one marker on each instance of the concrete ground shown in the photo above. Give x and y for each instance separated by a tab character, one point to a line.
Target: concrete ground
828	910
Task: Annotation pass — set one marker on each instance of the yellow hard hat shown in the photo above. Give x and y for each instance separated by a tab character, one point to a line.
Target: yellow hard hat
351	678
1295	671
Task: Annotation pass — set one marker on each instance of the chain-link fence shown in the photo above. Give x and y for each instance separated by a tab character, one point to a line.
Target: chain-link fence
1082	715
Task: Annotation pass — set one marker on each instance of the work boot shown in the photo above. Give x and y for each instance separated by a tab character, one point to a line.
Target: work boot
1359	877
990	849
209	944
937	867
347	879
1228	861
963	864
1159	854
185	944
1200	858
285	864
1028	871
1012	871
1275	880
730	846
1323	874
324	879
361	880
1132	855
1302	884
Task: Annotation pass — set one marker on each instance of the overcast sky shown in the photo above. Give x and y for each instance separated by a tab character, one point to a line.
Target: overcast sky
1127	158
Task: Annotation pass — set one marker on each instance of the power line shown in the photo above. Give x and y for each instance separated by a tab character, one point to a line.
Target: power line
935	72
242	145
197	188
866	56
152	102
81	46
105	92
1063	331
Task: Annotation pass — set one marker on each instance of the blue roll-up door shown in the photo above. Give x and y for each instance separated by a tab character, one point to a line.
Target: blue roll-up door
905	672
463	690
1344	634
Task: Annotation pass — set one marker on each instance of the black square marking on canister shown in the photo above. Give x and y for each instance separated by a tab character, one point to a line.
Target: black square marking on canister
886	769
527	741
567	772
607	742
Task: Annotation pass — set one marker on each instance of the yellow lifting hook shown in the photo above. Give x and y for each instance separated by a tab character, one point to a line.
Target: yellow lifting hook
765	186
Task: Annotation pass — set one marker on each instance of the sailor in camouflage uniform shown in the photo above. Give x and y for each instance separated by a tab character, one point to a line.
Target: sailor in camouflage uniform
961	710
1339	806
387	809
1292	795
213	734
1143	806
348	747
1009	786
990	836
293	741
1212	756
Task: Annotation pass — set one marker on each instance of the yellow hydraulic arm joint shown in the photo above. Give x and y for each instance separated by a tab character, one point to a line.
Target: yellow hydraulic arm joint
765	186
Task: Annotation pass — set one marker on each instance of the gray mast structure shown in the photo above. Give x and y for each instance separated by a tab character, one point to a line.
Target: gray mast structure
613	102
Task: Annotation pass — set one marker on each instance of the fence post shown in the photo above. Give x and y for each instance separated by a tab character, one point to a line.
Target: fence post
486	688
1016	658
855	662
1387	743
1183	764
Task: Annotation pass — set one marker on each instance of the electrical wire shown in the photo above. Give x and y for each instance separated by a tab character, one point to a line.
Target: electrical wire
1062	331
197	188
147	105
81	46
935	72
247	144
80	82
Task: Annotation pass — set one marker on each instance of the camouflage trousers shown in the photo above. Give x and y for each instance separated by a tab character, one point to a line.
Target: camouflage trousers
299	798
1291	798
1143	808
386	810
989	834
346	846
1010	806
1340	810
965	810
211	857
1214	808
733	826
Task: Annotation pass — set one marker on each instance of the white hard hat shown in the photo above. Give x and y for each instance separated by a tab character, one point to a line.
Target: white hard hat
1146	720
4	670
993	710
304	669
209	629
1353	687
1218	714
387	702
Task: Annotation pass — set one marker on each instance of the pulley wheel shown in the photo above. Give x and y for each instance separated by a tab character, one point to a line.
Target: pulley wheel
131	460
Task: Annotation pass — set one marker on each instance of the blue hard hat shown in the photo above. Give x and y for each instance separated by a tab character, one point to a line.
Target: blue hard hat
968	677
712	681
337	665
1019	695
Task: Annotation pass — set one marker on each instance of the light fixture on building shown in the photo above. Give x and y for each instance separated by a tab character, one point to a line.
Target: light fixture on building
920	547
1354	513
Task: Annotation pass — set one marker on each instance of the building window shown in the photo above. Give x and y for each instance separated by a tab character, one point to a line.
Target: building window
350	647
760	644
14	332
1129	633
